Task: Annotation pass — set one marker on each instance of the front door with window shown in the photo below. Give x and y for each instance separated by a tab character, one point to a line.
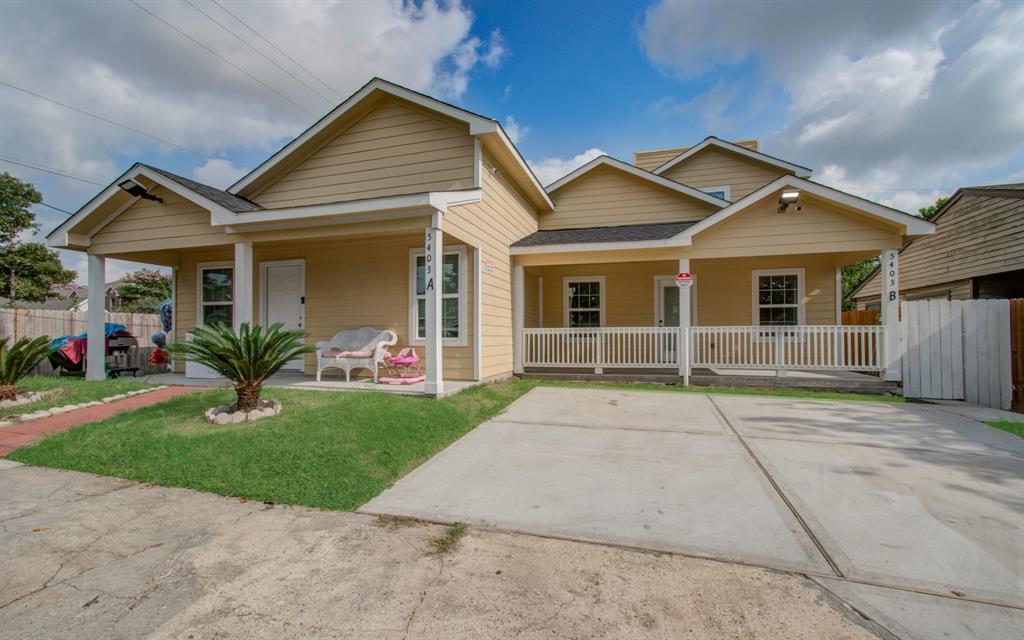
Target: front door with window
284	299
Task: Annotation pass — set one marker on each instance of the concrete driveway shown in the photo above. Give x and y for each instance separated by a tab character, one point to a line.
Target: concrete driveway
912	514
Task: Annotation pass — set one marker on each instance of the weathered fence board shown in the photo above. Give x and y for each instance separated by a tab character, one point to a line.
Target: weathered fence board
34	323
1017	352
957	350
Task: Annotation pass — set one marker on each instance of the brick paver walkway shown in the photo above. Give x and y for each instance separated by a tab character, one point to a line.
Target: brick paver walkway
21	433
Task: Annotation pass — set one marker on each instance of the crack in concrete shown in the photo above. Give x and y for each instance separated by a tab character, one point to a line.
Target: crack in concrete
423	597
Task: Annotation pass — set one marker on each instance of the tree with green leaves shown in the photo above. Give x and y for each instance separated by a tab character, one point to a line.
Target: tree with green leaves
28	270
143	291
929	212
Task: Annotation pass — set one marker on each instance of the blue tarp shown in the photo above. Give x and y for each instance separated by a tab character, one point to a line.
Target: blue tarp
109	329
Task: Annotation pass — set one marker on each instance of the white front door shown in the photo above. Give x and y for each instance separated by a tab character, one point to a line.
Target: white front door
284	298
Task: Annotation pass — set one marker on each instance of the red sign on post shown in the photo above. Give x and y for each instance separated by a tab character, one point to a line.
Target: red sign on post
684	279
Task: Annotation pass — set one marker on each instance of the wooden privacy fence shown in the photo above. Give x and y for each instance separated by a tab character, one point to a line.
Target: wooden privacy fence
33	323
863	317
1017	352
957	350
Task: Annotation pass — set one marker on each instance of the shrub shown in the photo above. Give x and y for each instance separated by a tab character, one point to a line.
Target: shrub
247	358
17	360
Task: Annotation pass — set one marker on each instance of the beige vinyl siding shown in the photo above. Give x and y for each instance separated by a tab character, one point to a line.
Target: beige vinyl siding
532	304
349	284
651	160
628	296
149	225
714	167
818	227
723	292
608	197
978	235
499	219
394	149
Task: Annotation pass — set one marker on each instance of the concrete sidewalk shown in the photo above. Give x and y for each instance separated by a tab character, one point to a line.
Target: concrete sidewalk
88	557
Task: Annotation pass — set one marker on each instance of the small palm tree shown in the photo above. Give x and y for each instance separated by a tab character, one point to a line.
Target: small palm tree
247	358
17	360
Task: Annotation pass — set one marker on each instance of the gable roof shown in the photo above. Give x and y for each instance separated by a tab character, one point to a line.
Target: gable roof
912	225
478	126
229	201
711	141
987	191
608	161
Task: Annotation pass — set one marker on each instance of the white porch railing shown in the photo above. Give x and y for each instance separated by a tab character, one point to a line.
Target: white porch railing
820	347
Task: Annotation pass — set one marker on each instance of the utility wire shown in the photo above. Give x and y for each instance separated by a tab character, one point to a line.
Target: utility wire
277	48
101	118
30	203
235	66
45	169
265	56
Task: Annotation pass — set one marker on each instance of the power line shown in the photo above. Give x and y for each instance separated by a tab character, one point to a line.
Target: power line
265	56
30	203
45	169
276	48
235	66
101	118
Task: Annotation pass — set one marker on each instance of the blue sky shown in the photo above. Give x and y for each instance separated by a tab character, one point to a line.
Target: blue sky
898	102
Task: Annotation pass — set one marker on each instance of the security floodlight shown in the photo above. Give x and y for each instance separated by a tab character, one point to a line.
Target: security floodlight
788	198
134	188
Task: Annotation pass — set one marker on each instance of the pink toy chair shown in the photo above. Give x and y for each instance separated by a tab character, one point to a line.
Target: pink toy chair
400	368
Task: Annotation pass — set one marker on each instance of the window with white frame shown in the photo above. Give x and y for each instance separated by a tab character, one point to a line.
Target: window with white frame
452	280
779	297
584	302
216	294
718	192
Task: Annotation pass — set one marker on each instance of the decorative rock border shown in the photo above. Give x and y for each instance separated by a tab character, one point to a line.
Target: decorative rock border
45	413
24	398
229	414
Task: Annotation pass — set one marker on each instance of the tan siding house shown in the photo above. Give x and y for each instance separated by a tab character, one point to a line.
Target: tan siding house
336	231
977	251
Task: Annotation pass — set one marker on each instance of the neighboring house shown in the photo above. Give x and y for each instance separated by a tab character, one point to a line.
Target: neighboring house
111	298
977	251
66	298
340	227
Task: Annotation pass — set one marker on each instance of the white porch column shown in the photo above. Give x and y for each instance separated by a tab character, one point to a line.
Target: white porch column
891	350
433	259
518	316
243	284
684	322
95	355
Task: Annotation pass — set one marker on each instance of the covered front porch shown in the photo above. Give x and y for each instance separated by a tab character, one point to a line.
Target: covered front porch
746	321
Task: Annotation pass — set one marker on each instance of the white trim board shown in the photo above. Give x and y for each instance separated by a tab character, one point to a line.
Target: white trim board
795	169
463	339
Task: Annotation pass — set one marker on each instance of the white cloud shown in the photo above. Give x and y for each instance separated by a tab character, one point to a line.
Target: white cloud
515	131
904	98
218	173
549	170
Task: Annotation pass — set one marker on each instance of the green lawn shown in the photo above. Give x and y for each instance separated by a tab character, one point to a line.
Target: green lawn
63	391
1009	426
328	450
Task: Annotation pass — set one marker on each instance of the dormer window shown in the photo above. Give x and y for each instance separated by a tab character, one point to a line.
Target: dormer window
718	192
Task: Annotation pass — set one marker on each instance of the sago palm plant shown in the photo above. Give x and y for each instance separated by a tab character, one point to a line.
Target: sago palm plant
17	360
247	358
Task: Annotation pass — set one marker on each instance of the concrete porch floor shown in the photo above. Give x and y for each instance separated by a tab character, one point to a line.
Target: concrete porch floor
295	380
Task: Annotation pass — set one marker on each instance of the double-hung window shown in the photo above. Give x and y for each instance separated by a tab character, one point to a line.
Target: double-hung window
452	280
584	301
216	293
778	297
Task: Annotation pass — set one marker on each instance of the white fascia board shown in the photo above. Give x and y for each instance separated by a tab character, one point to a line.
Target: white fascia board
639	173
912	224
797	170
477	124
359	210
580	247
58	238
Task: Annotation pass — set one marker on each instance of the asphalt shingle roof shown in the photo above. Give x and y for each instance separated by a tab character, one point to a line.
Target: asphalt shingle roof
623	233
227	200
